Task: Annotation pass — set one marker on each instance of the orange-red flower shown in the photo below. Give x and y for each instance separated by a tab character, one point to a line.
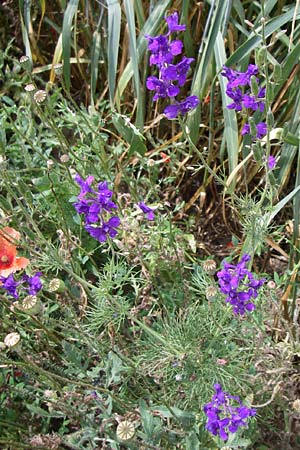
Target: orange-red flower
9	261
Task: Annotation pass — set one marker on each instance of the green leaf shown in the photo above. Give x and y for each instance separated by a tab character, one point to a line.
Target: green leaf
113	34
66	40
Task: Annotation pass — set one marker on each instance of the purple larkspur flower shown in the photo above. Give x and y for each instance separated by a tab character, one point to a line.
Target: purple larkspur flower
172	21
261	130
226	413
10	285
96	205
147	210
162	51
34	283
190	103
177	72
171	76
239	285
271	162
104	230
163	89
31	285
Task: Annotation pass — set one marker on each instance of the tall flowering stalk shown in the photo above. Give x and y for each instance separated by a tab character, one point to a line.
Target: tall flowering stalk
171	75
97	207
226	413
239	285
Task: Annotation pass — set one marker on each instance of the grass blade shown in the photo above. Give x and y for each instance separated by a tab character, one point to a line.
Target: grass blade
114	27
66	39
200	78
134	61
151	26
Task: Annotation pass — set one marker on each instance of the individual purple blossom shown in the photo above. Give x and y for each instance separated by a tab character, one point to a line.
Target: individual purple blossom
163	89
177	72
147	210
239	285
10	285
172	111
34	283
271	162
172	21
261	130
105	229
226	413
162	51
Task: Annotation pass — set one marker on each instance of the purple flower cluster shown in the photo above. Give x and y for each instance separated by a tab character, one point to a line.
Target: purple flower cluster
31	285
239	285
240	90
171	76
96	207
222	416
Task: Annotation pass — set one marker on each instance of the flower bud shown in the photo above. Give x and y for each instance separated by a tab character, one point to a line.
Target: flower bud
209	266
270	119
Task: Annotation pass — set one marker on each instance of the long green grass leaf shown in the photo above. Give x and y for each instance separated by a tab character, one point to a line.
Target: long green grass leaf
151	26
114	27
206	52
66	39
134	60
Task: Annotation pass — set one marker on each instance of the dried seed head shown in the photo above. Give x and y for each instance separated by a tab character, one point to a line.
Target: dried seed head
12	340
58	69
209	266
24	59
31	305
50	164
64	158
56	285
296	405
30	87
211	292
40	96
125	430
271	284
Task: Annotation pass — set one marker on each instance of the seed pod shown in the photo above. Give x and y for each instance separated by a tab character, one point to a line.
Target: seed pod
125	430
12	341
56	285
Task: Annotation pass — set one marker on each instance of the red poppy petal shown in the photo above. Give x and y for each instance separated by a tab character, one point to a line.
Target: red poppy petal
18	264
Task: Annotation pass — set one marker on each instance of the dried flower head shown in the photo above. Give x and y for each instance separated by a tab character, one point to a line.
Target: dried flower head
12	340
30	87
211	292
209	266
64	159
58	69
125	430
31	304
56	285
296	405
40	96
24	59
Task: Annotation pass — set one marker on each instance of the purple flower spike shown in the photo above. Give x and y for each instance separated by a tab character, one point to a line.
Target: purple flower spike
239	285
226	413
172	22
147	210
34	283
